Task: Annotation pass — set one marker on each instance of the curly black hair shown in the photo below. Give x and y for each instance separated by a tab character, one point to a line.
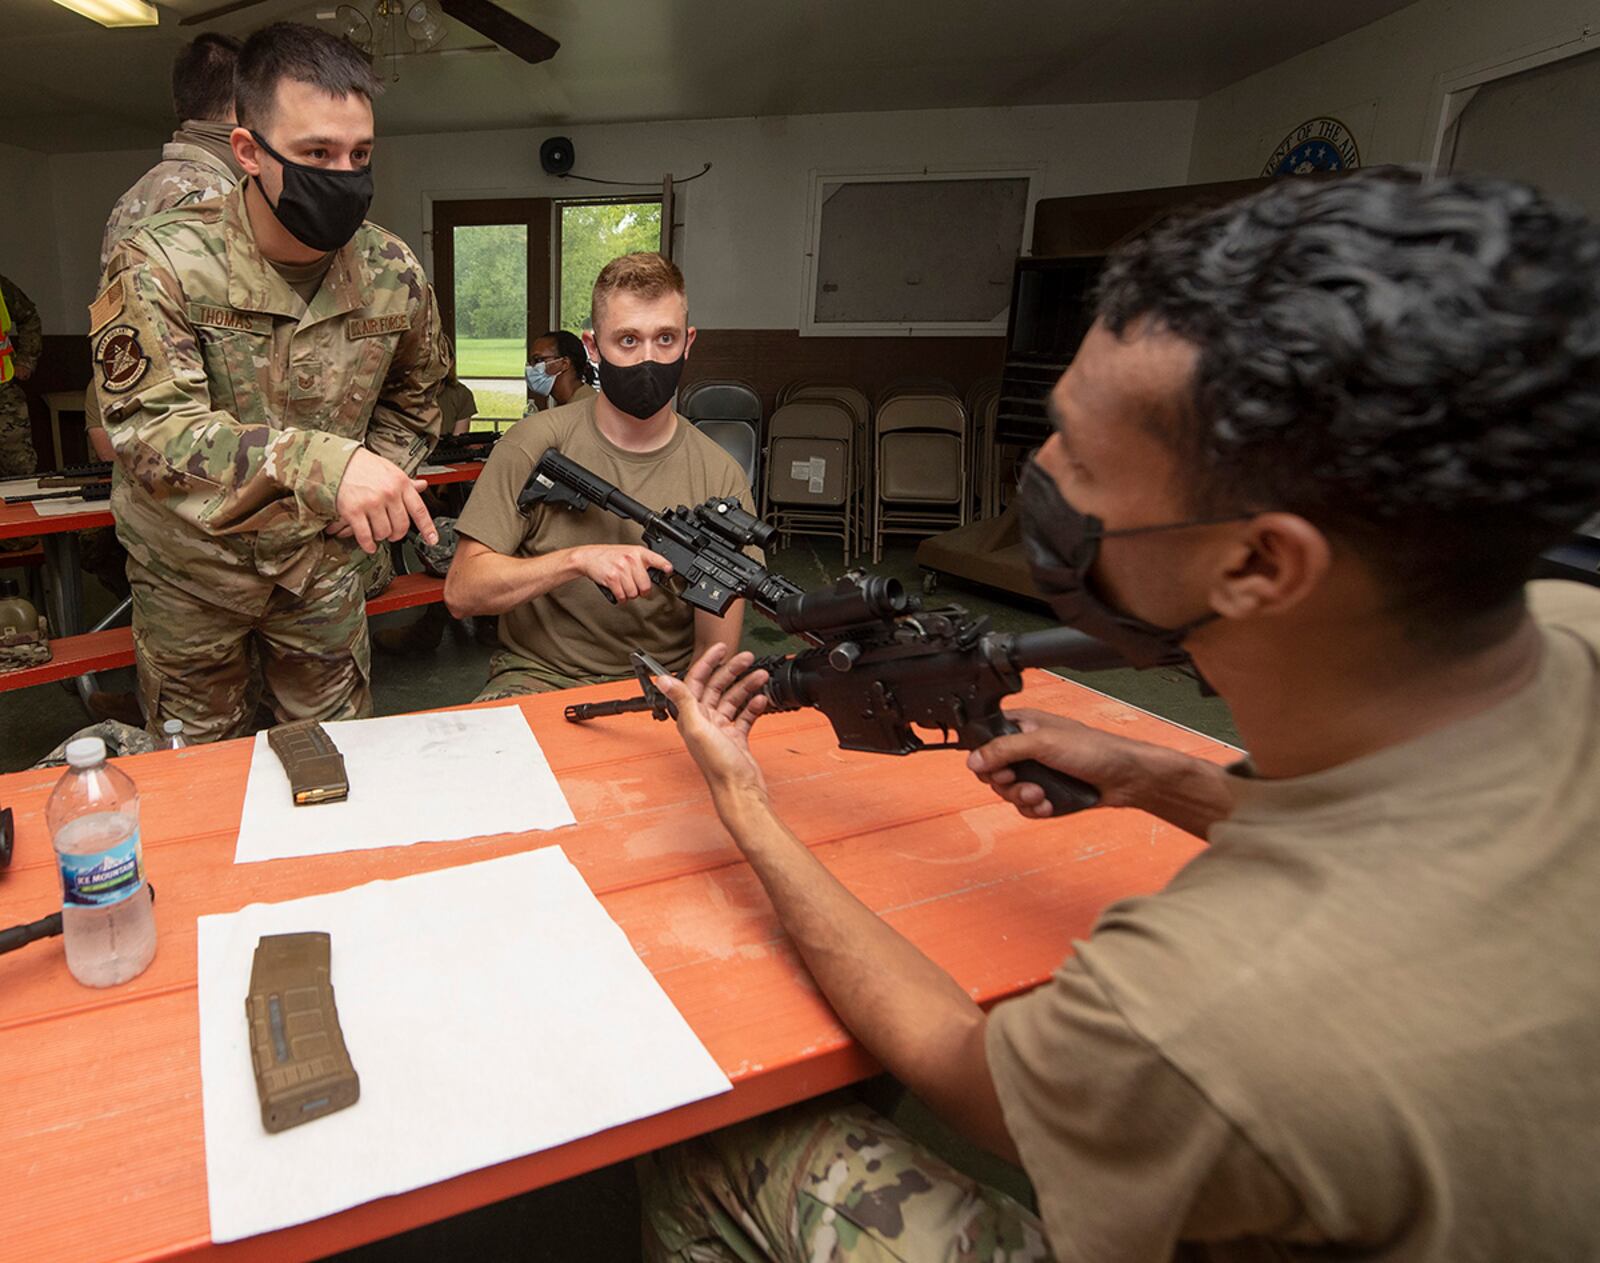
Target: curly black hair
1411	364
570	345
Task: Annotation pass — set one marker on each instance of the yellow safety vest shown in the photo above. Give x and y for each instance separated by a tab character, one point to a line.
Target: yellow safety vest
8	364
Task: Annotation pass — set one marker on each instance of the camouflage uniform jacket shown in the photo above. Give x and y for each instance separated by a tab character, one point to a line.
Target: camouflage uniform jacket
27	333
234	407
186	174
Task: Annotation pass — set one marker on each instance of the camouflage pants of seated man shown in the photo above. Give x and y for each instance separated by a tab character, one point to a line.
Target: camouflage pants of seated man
512	675
828	1182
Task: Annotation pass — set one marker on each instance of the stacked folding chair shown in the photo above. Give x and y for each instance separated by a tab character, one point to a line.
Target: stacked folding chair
812	484
729	414
856	403
921	443
983	402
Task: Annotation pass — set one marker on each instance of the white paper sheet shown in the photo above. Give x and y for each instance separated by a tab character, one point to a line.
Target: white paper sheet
76	504
490	1010
413	778
435	469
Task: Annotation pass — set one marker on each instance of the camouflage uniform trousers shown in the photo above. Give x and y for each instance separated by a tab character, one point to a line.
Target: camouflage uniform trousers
16	449
194	658
512	675
16	433
827	1182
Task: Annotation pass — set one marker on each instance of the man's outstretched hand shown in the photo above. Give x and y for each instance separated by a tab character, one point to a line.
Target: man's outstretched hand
718	701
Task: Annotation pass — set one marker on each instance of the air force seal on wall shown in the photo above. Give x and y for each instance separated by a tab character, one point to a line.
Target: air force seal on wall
120	359
1322	144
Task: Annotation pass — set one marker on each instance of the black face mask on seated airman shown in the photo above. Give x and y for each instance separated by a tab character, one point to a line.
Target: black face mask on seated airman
641	390
1062	544
319	206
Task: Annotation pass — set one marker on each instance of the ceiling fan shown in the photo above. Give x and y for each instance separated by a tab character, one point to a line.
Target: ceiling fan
488	19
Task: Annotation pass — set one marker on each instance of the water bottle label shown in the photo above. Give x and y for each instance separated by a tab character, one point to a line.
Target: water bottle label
101	878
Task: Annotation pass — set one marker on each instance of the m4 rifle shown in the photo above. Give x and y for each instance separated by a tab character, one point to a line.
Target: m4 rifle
878	666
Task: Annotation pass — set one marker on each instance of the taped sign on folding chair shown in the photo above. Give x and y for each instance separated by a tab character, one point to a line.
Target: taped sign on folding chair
812	472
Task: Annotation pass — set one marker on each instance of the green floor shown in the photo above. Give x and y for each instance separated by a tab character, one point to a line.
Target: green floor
596	1215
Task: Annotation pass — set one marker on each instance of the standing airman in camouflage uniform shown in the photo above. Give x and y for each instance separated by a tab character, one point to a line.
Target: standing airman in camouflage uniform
267	368
197	165
26	341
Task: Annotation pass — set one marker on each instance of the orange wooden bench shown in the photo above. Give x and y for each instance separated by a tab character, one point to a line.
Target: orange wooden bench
73	656
102	1088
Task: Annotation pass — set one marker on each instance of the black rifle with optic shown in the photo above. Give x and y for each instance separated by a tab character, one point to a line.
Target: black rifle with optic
879	666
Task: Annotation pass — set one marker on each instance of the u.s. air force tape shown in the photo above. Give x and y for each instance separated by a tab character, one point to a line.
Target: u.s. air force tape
120	359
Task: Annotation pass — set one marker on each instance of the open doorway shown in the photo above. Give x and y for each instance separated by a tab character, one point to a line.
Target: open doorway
491	262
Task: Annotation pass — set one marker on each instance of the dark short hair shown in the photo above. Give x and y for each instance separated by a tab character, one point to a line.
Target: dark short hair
1413	365
570	346
202	78
293	50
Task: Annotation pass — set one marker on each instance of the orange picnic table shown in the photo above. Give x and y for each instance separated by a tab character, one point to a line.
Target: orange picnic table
101	1139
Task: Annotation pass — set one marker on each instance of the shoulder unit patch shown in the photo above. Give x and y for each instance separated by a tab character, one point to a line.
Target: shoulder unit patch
120	359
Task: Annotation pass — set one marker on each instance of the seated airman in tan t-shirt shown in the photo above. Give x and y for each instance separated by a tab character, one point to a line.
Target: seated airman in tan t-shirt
1316	440
543	572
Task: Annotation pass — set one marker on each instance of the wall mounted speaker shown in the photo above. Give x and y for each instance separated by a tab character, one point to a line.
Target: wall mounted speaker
556	155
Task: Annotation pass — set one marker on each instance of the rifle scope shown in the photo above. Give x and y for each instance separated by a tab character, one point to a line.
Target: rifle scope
728	519
874	599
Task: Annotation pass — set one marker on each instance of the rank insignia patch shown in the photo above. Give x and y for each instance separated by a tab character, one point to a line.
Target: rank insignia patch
120	359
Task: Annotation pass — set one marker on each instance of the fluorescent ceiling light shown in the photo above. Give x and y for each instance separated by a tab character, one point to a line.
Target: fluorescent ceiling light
115	12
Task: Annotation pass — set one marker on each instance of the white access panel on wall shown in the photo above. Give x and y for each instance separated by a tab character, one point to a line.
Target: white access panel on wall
1537	126
927	252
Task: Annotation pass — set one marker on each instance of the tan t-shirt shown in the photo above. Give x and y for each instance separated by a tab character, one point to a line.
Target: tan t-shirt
1367	1017
573	628
456	401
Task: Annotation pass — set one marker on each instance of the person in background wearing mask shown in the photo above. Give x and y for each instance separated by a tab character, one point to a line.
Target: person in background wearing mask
197	165
1317	439
543	573
267	367
560	372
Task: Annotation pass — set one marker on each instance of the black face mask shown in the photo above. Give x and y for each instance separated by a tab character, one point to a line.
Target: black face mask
641	390
1062	545
319	207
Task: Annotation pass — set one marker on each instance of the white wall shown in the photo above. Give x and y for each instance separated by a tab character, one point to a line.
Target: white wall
744	240
1380	80
85	186
745	222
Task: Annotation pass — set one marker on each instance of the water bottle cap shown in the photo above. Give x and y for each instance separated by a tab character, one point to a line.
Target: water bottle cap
86	752
173	727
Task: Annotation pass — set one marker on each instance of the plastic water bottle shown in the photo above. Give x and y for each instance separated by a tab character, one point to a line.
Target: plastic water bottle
172	737
106	917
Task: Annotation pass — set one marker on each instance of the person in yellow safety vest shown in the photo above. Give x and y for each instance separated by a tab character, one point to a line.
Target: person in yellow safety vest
20	342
